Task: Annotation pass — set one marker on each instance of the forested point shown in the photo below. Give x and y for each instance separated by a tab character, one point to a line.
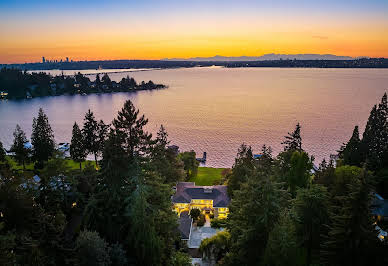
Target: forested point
283	211
18	84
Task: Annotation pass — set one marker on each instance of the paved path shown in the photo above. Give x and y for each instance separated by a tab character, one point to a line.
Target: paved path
200	233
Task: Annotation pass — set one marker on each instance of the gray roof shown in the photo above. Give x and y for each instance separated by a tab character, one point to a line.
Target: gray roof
184	225
186	191
379	206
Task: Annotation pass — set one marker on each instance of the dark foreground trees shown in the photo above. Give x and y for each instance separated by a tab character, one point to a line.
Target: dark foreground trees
119	215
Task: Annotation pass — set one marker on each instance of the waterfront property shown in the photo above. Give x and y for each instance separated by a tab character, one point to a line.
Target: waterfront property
209	199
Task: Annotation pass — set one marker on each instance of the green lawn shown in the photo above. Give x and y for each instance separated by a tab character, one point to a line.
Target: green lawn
207	176
30	166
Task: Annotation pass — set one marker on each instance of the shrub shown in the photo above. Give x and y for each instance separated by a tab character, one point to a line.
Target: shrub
180	259
194	213
218	223
201	220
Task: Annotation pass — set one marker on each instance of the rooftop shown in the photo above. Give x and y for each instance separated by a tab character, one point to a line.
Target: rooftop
186	191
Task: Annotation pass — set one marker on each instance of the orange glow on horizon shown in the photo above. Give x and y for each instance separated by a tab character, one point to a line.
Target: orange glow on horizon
173	38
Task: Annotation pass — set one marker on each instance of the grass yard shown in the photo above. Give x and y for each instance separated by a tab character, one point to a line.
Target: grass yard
207	176
30	166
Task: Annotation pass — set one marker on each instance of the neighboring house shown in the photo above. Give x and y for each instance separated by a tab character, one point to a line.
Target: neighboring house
209	199
3	94
380	208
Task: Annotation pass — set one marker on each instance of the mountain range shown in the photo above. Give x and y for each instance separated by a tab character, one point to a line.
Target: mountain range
264	57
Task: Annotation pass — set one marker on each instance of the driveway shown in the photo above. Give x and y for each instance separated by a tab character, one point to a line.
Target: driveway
198	233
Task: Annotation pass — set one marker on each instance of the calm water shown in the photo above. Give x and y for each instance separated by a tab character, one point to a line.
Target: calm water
217	109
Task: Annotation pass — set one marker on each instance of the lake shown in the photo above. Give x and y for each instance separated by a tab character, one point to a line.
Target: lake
217	109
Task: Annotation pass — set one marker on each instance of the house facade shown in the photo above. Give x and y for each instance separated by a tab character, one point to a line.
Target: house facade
209	199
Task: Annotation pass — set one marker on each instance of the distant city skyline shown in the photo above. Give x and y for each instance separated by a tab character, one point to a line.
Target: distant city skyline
109	30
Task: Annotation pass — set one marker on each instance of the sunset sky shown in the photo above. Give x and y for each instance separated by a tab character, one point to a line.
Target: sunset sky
88	30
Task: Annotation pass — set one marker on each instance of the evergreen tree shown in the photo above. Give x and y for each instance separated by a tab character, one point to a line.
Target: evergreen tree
130	128
190	163
243	168
42	138
90	135
143	237
106	80
165	160
102	134
282	247
293	141
98	81
325	174
351	152
254	211
299	173
375	137
19	146
352	238
2	152
310	210
77	151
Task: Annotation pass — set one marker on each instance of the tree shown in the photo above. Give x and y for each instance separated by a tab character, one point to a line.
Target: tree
90	134
106	80
325	174
375	138
117	255
165	160
351	152
215	248
190	163
254	210
293	140
102	134
130	128
42	138
311	209
180	259
143	235
243	168
194	214
19	146
282	246
298	176
92	249
77	151
352	238
98	81
2	152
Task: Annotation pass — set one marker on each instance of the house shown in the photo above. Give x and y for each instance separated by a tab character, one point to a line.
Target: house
3	94
209	199
380	208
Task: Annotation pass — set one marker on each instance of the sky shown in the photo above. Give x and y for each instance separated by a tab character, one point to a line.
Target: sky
146	29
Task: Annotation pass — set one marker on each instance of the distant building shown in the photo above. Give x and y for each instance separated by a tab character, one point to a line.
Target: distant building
43	60
67	59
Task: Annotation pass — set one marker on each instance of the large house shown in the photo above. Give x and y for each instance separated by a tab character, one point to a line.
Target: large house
209	199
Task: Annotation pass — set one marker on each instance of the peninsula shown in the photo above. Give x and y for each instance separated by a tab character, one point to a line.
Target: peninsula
17	84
